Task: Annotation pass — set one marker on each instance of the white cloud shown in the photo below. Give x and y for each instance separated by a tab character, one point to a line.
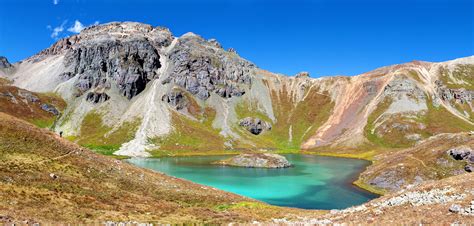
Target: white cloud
57	30
55	2
78	27
60	31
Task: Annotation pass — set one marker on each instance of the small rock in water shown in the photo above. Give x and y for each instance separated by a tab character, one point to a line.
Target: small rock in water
257	160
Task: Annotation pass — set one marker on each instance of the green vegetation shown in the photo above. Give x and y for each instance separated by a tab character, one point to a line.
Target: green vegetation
43	123
463	73
359	183
304	118
426	124
245	204
190	135
98	137
371	120
449	123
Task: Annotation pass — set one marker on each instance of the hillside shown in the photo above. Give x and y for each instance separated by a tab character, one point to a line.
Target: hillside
148	93
44	178
444	202
47	179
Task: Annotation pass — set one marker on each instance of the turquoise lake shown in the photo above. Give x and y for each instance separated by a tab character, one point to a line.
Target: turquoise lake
314	182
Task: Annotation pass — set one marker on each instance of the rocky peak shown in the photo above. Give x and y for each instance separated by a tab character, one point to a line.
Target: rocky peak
202	67
302	74
115	31
4	62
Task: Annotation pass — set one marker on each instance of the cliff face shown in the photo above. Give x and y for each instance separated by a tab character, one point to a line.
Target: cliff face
189	94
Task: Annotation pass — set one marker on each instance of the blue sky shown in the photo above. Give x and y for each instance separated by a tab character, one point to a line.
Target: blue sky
338	37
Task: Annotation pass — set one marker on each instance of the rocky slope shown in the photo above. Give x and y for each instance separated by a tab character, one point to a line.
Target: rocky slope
38	108
438	157
126	74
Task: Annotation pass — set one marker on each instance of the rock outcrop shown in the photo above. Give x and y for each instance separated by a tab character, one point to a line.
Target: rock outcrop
460	95
130	65
176	99
255	125
50	108
257	161
97	97
463	153
4	62
208	69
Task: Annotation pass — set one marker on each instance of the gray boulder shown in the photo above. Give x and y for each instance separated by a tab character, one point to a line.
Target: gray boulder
255	125
50	108
460	153
469	168
455	208
176	99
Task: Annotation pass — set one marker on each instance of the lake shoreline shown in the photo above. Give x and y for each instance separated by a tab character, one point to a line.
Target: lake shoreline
346	181
357	182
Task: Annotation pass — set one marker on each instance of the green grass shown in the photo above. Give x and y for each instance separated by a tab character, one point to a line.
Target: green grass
190	135
93	134
239	205
304	118
461	72
436	120
372	137
43	123
440	120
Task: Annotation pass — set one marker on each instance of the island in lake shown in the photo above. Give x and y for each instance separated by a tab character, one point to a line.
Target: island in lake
256	160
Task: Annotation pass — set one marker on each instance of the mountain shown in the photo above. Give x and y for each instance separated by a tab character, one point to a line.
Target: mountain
136	78
130	89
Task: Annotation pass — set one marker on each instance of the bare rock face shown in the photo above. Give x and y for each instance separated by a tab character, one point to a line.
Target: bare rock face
4	62
255	125
404	86
97	97
203	67
257	161
176	99
129	65
459	95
